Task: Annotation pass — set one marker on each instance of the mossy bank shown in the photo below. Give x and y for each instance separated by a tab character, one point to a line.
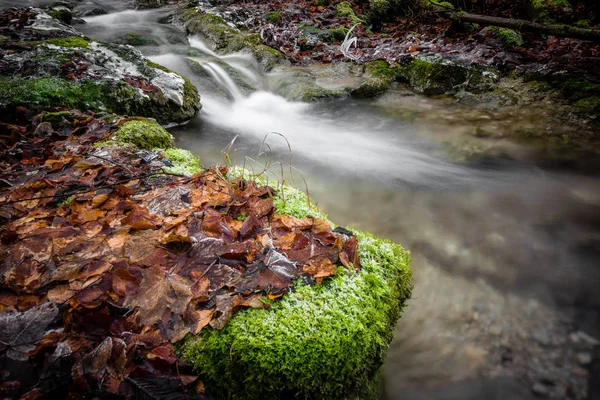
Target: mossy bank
320	342
66	69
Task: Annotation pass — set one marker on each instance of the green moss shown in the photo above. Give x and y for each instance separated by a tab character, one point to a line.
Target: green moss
62	14
435	76
441	5
589	104
568	86
65	201
371	87
324	35
144	134
344	9
135	39
381	69
50	92
508	36
322	341
541	11
583	23
71	41
228	39
184	162
58	119
273	16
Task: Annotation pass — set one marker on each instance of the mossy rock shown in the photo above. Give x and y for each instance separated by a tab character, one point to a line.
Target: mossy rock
508	36
371	87
590	106
310	91
135	39
183	162
145	134
435	75
541	10
299	84
62	14
314	34
344	9
145	89
70	42
321	341
229	40
148	4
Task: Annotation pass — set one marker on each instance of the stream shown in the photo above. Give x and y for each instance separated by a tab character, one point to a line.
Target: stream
505	249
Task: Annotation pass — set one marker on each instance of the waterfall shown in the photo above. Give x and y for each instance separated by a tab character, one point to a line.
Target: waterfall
224	79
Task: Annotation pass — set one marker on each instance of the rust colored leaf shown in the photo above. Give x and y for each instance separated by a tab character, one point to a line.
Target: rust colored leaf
140	219
197	320
124	283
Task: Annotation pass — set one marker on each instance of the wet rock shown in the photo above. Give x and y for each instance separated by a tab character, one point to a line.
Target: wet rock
145	4
541	390
432	74
66	69
542	337
227	39
88	10
583	358
495	330
61	13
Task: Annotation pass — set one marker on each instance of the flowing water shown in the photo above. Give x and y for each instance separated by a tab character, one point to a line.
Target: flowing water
505	252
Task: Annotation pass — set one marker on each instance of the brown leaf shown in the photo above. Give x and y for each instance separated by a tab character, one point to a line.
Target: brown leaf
99	199
140	219
60	294
124	283
320	268
197	319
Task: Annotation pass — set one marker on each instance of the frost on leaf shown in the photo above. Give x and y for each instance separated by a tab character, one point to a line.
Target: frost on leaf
21	331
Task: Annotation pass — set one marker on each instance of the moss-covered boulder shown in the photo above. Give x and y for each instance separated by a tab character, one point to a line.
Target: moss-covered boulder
508	36
321	341
227	39
66	69
434	75
146	134
317	82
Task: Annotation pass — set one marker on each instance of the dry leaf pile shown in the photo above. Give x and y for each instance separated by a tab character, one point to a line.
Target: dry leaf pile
106	261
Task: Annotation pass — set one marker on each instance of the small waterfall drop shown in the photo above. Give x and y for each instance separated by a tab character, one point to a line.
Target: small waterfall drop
224	79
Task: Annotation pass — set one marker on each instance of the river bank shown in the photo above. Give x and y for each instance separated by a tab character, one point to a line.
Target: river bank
127	269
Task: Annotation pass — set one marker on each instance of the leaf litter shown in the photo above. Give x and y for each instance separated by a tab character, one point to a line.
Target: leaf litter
107	261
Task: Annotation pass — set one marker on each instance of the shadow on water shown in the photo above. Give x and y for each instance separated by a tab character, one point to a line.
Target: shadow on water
505	254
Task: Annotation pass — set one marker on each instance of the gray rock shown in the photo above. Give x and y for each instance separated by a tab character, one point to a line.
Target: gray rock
541	390
542	337
583	358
